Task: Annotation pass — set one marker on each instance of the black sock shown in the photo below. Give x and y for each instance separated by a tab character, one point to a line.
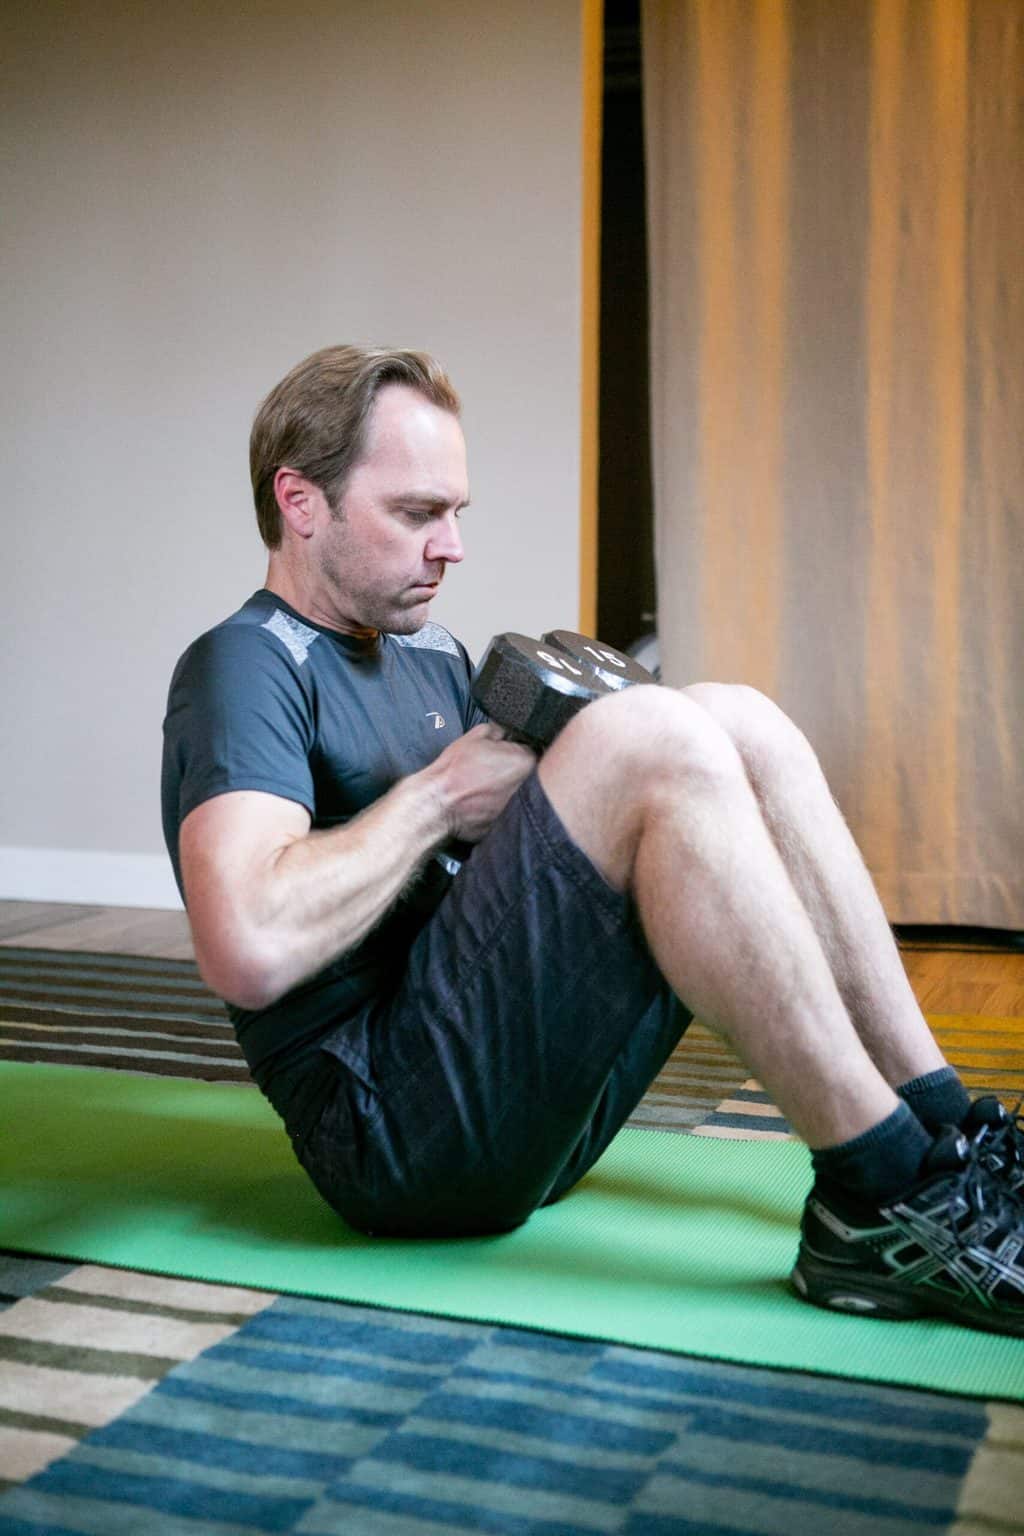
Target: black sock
877	1166
937	1099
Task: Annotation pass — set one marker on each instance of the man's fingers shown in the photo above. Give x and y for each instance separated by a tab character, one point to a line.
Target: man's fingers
491	731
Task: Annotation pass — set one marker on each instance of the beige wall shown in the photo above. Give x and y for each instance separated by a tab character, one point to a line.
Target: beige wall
199	195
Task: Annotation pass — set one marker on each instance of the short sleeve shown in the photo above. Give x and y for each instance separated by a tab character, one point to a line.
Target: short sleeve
239	716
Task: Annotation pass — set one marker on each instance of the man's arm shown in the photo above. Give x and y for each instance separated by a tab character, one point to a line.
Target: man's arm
271	903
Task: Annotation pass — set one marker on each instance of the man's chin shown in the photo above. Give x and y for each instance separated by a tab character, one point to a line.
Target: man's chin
408	621
406	624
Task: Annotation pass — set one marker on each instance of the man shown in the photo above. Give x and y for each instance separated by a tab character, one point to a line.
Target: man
450	1051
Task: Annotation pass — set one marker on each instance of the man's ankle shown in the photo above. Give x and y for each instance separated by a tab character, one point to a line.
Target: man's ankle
877	1166
937	1098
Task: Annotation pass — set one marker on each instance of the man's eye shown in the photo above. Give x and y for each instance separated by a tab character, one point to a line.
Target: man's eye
421	515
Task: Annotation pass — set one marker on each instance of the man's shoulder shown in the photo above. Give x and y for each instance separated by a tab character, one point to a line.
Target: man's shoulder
262	630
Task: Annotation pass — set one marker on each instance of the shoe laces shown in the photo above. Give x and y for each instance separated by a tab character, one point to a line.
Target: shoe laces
1006	1139
987	1197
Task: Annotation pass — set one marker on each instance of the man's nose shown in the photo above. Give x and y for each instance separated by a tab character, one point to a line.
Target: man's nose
445	542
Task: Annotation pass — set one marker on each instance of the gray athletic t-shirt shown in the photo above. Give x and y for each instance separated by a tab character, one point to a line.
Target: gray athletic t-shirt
269	701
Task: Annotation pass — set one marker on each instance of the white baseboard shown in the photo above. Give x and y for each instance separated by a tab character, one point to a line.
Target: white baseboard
97	879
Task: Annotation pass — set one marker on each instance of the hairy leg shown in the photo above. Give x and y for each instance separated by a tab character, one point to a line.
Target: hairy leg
656	793
830	877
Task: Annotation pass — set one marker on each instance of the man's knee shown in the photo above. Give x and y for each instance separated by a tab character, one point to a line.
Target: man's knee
624	756
763	734
645	733
625	761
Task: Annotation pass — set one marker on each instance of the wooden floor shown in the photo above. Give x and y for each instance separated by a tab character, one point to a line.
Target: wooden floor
104	930
973	979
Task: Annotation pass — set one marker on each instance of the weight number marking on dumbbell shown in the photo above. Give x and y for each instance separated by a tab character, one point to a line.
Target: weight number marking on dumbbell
560	662
616	661
615	669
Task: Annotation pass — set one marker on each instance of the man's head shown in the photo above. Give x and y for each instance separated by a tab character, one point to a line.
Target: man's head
359	473
315	420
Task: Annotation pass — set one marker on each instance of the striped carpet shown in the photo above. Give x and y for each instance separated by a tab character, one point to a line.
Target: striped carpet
130	1013
130	1403
116	1011
143	1015
210	1410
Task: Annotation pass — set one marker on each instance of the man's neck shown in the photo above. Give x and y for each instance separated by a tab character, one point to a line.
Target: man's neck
289	585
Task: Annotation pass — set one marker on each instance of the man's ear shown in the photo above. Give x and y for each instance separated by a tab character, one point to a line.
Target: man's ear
298	500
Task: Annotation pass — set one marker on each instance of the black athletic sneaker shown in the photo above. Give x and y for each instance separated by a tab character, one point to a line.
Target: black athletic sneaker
999	1136
952	1246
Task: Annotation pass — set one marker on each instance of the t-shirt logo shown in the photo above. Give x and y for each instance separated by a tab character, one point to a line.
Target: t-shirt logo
438	719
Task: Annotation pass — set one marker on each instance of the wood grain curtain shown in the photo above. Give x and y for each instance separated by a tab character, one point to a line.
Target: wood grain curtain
836	216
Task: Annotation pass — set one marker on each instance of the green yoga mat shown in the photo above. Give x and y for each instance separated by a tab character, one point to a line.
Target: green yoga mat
675	1242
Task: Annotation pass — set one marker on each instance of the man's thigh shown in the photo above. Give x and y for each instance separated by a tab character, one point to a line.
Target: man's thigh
529	1020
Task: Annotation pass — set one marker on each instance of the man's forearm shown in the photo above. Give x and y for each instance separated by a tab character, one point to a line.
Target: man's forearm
327	890
272	903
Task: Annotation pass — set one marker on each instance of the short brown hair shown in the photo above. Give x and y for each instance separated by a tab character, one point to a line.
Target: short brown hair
315	420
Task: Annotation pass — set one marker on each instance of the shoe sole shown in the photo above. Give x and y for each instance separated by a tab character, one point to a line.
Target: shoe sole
864	1295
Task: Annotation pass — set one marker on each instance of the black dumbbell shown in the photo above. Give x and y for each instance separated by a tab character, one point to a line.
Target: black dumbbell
535	687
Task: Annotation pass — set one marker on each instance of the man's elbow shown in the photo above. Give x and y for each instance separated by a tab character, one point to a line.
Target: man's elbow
247	976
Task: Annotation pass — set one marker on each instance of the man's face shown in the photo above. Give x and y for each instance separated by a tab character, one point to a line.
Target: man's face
382	560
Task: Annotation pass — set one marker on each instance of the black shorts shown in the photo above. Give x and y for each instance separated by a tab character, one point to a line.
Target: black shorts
529	1021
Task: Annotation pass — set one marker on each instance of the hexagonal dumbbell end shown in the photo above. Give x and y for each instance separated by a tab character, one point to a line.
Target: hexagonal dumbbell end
615	669
532	689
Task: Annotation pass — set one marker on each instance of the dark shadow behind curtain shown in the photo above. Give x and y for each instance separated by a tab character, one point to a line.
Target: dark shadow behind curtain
625	572
836	244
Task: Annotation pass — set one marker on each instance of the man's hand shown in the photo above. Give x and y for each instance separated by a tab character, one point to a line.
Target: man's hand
476	777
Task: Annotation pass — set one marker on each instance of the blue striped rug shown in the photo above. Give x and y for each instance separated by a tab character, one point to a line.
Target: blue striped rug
320	1418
